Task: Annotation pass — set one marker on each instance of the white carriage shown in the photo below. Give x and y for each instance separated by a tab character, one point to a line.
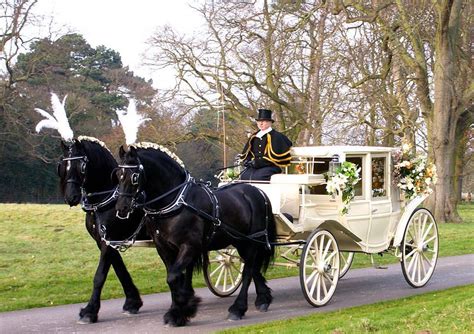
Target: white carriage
311	222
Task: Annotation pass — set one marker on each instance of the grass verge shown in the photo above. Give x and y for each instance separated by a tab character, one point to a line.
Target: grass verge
447	311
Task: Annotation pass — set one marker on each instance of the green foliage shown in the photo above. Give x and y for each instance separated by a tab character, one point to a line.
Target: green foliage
94	80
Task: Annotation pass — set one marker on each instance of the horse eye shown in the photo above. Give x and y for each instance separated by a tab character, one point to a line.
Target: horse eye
83	168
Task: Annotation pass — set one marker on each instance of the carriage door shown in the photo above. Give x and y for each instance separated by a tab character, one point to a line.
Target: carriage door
380	204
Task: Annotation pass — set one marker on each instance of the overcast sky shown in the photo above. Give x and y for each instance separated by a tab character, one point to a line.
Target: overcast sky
122	25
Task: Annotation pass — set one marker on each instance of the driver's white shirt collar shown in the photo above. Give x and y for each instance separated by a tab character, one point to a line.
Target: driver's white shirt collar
261	133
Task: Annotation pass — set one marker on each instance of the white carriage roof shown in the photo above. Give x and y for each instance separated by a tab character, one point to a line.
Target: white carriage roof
329	151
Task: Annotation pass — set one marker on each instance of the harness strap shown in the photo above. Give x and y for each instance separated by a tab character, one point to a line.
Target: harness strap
176	204
121	245
94	207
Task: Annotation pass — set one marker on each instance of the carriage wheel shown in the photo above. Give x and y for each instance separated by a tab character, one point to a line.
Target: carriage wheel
223	274
346	259
319	268
419	248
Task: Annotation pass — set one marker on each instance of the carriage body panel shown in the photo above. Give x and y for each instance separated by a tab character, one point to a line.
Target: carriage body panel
377	217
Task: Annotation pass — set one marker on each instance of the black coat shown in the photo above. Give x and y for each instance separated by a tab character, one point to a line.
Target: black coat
273	149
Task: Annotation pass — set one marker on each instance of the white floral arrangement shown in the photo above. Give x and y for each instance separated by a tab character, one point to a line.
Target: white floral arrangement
413	174
343	182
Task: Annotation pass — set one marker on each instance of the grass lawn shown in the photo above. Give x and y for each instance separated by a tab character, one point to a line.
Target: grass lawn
47	257
447	311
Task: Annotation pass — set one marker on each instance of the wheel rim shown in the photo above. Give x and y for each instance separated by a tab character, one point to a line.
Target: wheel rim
223	275
420	248
319	270
345	259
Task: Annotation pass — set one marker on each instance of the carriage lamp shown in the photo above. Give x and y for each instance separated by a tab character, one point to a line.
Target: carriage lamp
334	164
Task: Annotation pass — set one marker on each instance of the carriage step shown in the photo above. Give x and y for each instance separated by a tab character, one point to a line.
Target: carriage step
375	264
144	243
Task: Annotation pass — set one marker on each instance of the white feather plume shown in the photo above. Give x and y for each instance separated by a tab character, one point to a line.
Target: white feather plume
130	121
58	121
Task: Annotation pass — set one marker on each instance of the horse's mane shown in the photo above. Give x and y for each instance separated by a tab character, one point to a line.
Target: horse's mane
97	151
167	152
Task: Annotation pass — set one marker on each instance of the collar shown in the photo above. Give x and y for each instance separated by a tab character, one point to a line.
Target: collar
261	133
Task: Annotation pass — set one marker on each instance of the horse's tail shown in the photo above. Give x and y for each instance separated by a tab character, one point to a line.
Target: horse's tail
271	233
269	226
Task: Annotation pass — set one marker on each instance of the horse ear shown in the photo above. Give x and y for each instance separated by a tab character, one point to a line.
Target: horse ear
122	152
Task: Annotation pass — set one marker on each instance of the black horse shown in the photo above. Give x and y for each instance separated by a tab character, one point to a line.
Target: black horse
85	176
187	219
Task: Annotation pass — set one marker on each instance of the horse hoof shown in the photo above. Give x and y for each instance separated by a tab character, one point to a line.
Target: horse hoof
86	320
233	317
130	312
263	307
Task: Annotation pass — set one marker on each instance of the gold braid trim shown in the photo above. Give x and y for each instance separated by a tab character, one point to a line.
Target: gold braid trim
273	157
245	154
270	148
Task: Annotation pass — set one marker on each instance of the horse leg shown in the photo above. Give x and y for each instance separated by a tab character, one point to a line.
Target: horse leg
179	278
239	307
89	314
264	293
133	302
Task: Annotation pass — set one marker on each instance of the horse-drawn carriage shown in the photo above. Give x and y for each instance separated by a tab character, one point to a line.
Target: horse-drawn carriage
151	195
311	223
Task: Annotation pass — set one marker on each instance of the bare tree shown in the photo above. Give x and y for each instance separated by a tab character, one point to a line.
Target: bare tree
256	54
429	40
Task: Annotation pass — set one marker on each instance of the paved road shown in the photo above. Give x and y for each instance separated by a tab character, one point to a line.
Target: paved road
358	287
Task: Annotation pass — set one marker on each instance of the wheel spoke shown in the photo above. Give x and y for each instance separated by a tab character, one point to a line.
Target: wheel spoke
311	276
427	231
330	257
231	278
224	284
326	250
321	247
411	234
324	285
318	288
422	263
429	240
313	283
410	254
426	258
314	256
217	269
219	277
343	258
412	262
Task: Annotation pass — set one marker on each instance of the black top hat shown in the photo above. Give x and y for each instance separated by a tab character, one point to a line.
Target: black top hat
265	115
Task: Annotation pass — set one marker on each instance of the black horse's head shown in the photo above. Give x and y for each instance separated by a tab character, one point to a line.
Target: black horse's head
72	171
131	179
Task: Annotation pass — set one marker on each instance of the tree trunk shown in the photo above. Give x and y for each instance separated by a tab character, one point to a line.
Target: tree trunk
445	114
314	120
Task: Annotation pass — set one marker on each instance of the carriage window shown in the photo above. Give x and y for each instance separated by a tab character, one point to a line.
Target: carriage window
320	166
358	162
378	177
